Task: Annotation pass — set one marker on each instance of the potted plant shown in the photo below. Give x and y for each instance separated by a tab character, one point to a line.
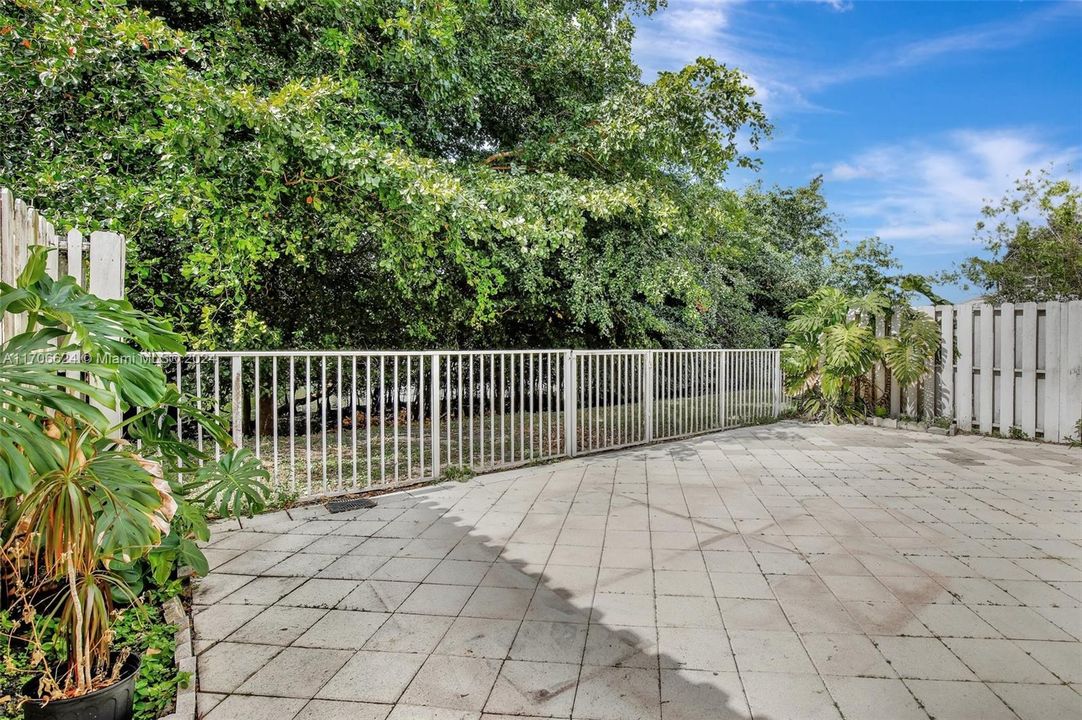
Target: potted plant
91	491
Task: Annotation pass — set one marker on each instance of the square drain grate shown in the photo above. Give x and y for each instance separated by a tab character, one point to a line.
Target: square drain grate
337	506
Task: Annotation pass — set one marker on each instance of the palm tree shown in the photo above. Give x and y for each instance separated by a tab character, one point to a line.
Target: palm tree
831	348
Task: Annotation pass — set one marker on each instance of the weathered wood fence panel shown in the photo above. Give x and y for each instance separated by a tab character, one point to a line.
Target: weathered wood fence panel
1011	369
100	269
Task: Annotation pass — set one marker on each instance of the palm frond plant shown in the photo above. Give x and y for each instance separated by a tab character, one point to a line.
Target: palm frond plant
907	352
91	506
831	347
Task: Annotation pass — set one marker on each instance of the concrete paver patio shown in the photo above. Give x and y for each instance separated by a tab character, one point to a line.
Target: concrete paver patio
782	571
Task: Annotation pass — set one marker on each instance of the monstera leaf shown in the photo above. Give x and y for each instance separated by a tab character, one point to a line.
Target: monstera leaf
233	486
94	324
908	351
81	506
33	388
78	354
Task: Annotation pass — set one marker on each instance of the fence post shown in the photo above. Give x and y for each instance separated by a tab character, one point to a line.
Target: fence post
946	353
986	368
1052	333
238	400
434	403
648	396
106	279
8	272
106	265
779	383
75	256
1006	368
570	406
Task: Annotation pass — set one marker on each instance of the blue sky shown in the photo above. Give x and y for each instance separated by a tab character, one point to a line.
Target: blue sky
914	112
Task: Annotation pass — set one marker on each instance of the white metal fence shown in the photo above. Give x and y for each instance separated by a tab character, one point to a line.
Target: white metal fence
96	263
342	421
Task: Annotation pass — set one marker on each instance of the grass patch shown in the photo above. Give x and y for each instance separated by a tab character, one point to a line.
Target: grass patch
320	457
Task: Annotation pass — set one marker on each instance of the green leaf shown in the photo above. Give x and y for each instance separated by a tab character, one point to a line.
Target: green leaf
234	486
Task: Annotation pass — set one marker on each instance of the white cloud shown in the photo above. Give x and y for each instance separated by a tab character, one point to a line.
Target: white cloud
987	36
696	18
787	75
685	30
928	194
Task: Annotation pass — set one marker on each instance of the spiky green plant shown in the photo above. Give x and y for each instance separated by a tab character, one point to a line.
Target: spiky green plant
907	352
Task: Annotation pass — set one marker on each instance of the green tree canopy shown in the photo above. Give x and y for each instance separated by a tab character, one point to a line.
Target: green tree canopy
1034	240
382	172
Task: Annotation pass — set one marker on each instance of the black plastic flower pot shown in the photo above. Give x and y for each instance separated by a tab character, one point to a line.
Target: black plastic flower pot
112	702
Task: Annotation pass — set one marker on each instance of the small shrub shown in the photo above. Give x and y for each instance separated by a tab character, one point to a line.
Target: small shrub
143	629
457	473
282	498
831	347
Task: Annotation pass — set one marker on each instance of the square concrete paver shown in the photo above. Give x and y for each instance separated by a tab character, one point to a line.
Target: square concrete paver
540	689
295	672
277	625
783	571
617	693
781	696
342	630
459	683
224	667
370	676
478	637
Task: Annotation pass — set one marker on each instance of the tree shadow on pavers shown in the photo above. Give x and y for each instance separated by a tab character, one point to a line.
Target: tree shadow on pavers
620	673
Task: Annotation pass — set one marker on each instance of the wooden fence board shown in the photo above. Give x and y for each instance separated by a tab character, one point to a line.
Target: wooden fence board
987	362
1070	408
22	226
1027	385
47	237
963	381
25	235
928	391
7	255
1052	335
946	349
1006	368
107	265
75	256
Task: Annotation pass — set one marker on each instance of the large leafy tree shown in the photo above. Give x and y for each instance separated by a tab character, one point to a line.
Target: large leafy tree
1033	237
383	171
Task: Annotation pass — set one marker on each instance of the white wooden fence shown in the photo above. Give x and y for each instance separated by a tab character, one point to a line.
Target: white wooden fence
1015	369
341	421
97	262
